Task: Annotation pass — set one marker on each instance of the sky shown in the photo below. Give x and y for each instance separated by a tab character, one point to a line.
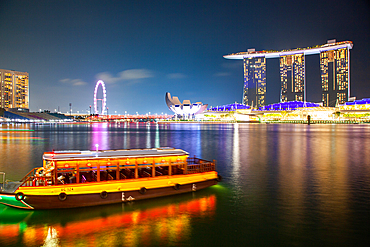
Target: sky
142	49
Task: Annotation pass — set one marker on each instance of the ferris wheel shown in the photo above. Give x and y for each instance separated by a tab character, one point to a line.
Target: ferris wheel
103	100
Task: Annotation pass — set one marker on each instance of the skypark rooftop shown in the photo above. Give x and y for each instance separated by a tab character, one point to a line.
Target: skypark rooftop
331	45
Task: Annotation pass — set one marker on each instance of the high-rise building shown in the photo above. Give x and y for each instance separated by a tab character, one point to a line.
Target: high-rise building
14	89
335	73
335	76
292	77
254	81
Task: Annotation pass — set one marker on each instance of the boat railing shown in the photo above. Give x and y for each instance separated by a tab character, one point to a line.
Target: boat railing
30	174
36	181
31	179
196	165
27	181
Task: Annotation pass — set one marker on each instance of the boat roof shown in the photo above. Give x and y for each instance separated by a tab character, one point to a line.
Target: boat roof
112	154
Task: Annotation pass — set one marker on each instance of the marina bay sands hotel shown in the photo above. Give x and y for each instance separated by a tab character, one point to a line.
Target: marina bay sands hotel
335	73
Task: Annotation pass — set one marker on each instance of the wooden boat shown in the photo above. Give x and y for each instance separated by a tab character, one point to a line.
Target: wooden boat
70	179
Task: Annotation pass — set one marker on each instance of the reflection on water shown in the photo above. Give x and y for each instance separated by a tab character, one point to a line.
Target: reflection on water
52	238
109	225
283	185
100	136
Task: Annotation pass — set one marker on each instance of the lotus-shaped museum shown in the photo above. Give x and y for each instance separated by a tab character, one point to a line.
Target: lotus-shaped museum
185	109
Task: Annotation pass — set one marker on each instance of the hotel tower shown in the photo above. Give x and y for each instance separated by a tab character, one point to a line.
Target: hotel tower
14	89
335	73
335	76
254	81
292	77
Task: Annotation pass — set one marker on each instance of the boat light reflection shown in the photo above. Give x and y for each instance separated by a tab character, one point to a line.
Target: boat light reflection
140	227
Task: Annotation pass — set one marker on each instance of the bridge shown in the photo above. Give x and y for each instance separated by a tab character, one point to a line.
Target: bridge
130	118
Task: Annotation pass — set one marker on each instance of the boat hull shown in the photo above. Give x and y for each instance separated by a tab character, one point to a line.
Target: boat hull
68	199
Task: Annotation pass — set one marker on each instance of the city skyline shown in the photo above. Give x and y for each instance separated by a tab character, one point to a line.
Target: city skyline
144	49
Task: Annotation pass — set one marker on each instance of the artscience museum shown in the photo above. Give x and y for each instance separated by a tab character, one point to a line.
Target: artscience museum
186	109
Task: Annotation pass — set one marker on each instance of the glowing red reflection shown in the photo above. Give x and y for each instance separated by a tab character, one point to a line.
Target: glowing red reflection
172	221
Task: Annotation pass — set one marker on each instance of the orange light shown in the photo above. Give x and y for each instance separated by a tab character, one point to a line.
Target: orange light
88	164
173	219
66	165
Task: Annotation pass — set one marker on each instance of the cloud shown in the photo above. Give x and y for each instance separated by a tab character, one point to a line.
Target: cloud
221	74
176	76
74	82
126	75
232	64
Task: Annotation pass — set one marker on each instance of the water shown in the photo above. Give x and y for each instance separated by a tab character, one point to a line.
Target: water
283	185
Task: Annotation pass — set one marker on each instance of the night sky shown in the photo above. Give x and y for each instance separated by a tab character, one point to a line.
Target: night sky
143	49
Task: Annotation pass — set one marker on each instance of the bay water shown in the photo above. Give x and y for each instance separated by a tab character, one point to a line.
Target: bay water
283	185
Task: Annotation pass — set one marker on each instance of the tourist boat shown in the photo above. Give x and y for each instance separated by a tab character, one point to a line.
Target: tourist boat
71	179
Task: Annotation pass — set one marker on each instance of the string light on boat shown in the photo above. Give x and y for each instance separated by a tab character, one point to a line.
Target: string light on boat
104	99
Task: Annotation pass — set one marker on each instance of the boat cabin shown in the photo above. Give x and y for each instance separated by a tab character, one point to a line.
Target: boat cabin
69	167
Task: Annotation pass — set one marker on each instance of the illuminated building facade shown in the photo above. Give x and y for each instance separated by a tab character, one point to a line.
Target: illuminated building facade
335	76
186	109
14	89
335	73
254	81
292	77
229	107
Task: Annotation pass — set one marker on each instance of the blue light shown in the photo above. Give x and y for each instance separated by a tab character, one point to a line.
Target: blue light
290	105
230	107
359	102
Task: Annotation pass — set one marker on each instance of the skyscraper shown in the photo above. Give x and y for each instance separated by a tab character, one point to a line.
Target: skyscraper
14	89
335	73
254	81
335	76
292	77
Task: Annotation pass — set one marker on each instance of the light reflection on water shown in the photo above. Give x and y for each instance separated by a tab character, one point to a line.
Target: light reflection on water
108	226
283	184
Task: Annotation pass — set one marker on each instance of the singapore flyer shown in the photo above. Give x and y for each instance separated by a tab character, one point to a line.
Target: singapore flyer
104	99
